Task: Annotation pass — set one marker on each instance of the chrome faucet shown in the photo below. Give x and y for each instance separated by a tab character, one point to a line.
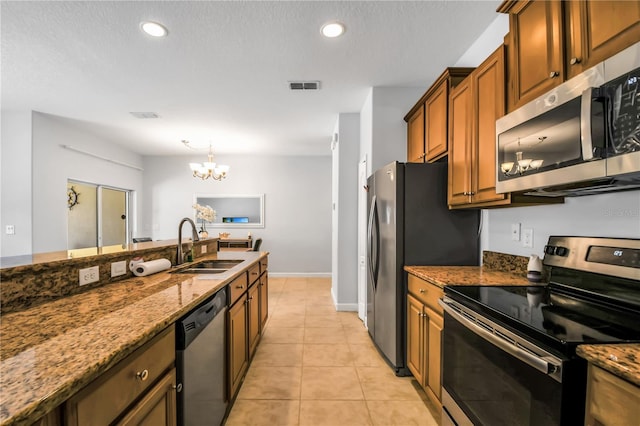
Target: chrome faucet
179	255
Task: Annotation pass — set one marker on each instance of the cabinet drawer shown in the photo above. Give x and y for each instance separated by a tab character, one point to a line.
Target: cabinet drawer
108	396
426	292
237	287
254	273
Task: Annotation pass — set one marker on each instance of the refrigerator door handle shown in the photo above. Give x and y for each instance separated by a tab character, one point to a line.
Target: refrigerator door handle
373	229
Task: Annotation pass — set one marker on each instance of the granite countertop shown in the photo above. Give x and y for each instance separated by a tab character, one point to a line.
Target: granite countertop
51	351
466	275
623	360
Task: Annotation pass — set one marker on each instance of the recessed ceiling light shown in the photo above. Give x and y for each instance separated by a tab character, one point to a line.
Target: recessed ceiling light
332	29
154	29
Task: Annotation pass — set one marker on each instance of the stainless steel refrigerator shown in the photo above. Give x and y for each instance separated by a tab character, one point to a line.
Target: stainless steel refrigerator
409	223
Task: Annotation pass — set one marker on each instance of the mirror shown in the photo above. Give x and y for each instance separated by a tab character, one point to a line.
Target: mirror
233	211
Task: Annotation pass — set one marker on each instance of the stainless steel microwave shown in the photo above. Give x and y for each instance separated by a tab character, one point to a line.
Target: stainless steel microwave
582	137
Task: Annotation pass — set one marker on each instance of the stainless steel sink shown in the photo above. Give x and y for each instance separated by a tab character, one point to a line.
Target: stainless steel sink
209	267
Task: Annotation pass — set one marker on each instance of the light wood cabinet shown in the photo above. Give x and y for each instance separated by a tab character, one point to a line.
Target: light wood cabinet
53	418
237	344
146	376
425	324
596	30
415	136
553	41
263	294
253	310
475	105
611	401
427	121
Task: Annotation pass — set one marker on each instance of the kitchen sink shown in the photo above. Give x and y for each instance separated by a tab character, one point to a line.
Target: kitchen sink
209	267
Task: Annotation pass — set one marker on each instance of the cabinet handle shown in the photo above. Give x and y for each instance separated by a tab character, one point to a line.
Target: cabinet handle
554	74
575	61
422	290
177	387
143	375
240	286
254	273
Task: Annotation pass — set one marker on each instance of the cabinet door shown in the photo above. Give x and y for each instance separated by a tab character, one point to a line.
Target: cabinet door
610	400
415	137
436	122
488	105
459	186
434	358
264	300
536	31
597	30
254	317
158	407
237	334
415	338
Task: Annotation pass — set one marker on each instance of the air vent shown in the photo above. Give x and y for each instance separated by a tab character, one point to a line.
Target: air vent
144	114
304	85
189	326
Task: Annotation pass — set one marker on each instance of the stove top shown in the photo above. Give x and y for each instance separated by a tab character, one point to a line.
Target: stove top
593	295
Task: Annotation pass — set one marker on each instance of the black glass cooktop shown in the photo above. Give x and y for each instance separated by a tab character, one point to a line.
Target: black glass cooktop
550	316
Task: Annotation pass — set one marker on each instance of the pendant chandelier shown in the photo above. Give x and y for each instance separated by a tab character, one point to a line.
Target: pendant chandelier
209	169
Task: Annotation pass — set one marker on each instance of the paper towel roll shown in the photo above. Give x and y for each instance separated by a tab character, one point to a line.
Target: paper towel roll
147	268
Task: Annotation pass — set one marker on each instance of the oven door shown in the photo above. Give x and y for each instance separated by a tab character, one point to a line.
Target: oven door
493	377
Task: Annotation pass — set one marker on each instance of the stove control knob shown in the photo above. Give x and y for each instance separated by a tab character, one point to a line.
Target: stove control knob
549	249
562	251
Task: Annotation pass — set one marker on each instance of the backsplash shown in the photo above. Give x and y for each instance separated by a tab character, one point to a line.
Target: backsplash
30	285
509	263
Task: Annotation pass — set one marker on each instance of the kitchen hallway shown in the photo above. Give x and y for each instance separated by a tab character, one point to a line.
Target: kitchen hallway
315	366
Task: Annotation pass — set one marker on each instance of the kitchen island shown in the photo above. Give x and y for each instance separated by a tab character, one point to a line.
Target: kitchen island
51	351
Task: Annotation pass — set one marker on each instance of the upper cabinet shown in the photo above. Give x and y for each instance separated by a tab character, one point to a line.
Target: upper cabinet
552	41
427	122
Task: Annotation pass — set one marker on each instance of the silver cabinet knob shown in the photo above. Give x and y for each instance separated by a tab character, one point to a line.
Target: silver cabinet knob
142	375
554	74
422	290
575	61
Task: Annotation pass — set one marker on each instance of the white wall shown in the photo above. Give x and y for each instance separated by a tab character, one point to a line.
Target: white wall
53	165
345	213
297	190
15	182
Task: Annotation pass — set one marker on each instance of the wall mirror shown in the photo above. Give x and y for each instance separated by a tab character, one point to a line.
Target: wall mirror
233	211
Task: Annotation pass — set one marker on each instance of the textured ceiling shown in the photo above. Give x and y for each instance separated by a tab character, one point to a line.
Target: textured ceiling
221	74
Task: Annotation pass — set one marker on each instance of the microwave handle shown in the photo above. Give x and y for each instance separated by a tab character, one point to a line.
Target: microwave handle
585	124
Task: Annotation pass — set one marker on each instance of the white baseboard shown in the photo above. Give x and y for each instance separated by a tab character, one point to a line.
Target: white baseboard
346	307
300	274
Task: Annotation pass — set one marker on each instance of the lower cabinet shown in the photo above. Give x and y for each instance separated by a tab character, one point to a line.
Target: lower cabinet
610	400
424	336
253	304
237	345
139	390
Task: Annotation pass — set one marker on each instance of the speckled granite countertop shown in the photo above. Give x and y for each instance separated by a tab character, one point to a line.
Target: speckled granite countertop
623	360
465	275
51	351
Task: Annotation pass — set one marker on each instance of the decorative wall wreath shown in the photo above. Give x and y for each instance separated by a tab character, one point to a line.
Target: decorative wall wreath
72	197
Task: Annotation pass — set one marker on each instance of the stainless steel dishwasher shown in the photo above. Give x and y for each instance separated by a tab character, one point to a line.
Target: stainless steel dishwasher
200	358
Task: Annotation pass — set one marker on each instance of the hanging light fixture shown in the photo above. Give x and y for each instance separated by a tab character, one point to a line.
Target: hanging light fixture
208	169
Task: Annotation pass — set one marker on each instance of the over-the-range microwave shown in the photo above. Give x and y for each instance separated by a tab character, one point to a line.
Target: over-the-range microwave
582	137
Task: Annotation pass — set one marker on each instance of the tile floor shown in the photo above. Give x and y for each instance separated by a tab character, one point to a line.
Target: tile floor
315	366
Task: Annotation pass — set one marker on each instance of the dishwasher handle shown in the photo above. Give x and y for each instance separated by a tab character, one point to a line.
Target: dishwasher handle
188	328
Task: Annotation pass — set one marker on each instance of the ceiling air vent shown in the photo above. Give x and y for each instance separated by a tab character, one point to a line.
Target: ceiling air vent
144	114
304	85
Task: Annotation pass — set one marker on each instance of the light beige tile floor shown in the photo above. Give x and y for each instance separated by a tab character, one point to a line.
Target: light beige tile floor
315	366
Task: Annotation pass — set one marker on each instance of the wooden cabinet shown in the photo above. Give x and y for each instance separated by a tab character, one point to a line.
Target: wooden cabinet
474	107
596	30
610	400
553	41
53	418
425	324
253	310
263	294
140	389
427	125
237	344
415	136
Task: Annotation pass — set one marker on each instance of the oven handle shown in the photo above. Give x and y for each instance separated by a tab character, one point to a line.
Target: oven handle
585	124
534	361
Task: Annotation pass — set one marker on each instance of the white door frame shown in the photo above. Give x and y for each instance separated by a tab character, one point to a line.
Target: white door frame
362	240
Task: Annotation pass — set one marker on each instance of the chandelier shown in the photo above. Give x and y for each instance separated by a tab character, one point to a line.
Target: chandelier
521	165
208	169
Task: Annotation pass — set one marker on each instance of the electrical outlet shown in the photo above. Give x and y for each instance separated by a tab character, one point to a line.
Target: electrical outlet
89	275
515	232
527	237
10	230
203	249
118	268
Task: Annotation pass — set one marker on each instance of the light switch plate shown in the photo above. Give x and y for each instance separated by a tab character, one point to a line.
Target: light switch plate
515	232
203	249
118	268
527	237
